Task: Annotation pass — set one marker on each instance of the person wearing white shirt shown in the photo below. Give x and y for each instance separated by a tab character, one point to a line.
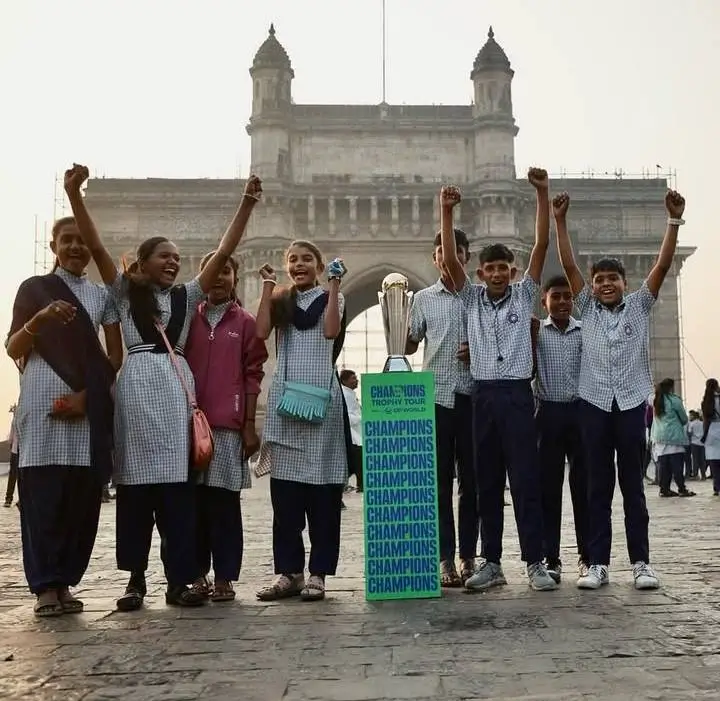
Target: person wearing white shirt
697	448
349	382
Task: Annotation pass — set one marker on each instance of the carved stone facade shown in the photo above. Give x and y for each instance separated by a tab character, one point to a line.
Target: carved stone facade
361	181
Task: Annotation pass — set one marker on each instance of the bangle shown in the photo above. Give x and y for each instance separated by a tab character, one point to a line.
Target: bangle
251	197
26	329
269	282
675	222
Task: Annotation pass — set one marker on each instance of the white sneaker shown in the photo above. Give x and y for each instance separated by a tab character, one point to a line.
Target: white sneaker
596	577
645	577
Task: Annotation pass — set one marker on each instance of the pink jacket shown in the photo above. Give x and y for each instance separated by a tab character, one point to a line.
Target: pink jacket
227	364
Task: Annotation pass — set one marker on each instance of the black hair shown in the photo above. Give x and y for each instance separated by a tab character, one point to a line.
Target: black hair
708	400
346	374
496	252
143	305
284	299
662	389
555	281
55	231
233	264
461	239
608	265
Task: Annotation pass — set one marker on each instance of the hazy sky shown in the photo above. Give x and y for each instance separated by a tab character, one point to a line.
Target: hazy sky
161	88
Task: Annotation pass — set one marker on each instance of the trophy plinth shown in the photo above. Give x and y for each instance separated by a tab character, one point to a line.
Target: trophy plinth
395	303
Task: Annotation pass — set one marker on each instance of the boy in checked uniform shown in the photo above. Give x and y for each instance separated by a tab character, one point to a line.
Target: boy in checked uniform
501	363
615	382
558	348
438	318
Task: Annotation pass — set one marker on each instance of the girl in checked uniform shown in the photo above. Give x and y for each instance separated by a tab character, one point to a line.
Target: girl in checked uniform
308	456
152	414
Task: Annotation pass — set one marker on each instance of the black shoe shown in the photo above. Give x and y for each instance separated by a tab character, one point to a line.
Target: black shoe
183	596
668	493
134	595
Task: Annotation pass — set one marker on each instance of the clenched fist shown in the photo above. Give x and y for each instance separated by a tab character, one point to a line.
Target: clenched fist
674	204
538	178
74	178
450	196
560	205
267	273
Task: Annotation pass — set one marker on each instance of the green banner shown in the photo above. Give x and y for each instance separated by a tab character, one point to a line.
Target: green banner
400	485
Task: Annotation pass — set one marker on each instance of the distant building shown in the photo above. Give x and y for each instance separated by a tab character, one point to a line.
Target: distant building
362	181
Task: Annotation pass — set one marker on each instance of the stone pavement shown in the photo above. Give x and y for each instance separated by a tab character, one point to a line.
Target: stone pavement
510	643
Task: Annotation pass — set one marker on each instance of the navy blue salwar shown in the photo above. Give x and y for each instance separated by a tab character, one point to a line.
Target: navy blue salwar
219	532
59	514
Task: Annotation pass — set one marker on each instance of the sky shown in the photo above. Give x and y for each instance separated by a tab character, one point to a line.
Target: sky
160	88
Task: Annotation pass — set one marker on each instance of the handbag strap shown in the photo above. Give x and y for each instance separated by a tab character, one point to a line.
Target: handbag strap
173	358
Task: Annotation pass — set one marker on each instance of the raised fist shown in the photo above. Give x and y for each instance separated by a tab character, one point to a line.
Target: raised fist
74	178
674	204
538	178
560	205
267	272
450	196
253	188
336	269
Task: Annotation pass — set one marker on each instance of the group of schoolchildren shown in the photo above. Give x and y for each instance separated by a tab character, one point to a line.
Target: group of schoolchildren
517	397
129	407
192	358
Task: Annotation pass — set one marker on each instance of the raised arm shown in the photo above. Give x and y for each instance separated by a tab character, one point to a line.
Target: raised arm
560	205
74	179
231	238
675	207
336	270
539	180
449	198
264	313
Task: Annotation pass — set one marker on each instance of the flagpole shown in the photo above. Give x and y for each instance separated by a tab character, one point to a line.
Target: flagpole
383	53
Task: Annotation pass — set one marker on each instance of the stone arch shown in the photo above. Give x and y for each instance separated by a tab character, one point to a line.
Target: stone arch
361	288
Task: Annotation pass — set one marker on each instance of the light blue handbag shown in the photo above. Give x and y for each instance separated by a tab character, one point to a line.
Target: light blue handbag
302	401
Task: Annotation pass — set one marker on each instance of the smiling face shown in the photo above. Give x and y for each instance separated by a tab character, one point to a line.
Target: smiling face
70	249
303	266
162	265
558	302
608	287
497	275
223	288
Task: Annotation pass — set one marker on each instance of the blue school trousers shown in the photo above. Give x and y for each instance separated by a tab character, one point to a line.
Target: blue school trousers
294	504
59	514
453	433
219	533
560	439
606	433
139	508
505	442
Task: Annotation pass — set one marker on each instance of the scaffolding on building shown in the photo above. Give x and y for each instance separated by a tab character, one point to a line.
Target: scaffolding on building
43	259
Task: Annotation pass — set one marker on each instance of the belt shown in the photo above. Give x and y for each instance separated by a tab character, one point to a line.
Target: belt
152	348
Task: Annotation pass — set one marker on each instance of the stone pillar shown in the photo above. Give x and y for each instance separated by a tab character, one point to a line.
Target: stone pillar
436	213
352	210
395	209
374	216
331	215
311	215
416	215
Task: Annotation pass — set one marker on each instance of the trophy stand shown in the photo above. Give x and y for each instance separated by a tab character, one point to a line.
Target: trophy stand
395	303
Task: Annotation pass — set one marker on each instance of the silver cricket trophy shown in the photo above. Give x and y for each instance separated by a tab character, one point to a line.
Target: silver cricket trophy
395	302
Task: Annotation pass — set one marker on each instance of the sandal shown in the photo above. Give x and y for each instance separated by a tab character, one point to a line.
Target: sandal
134	596
202	587
70	603
223	591
183	596
282	587
449	577
314	589
467	569
48	605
